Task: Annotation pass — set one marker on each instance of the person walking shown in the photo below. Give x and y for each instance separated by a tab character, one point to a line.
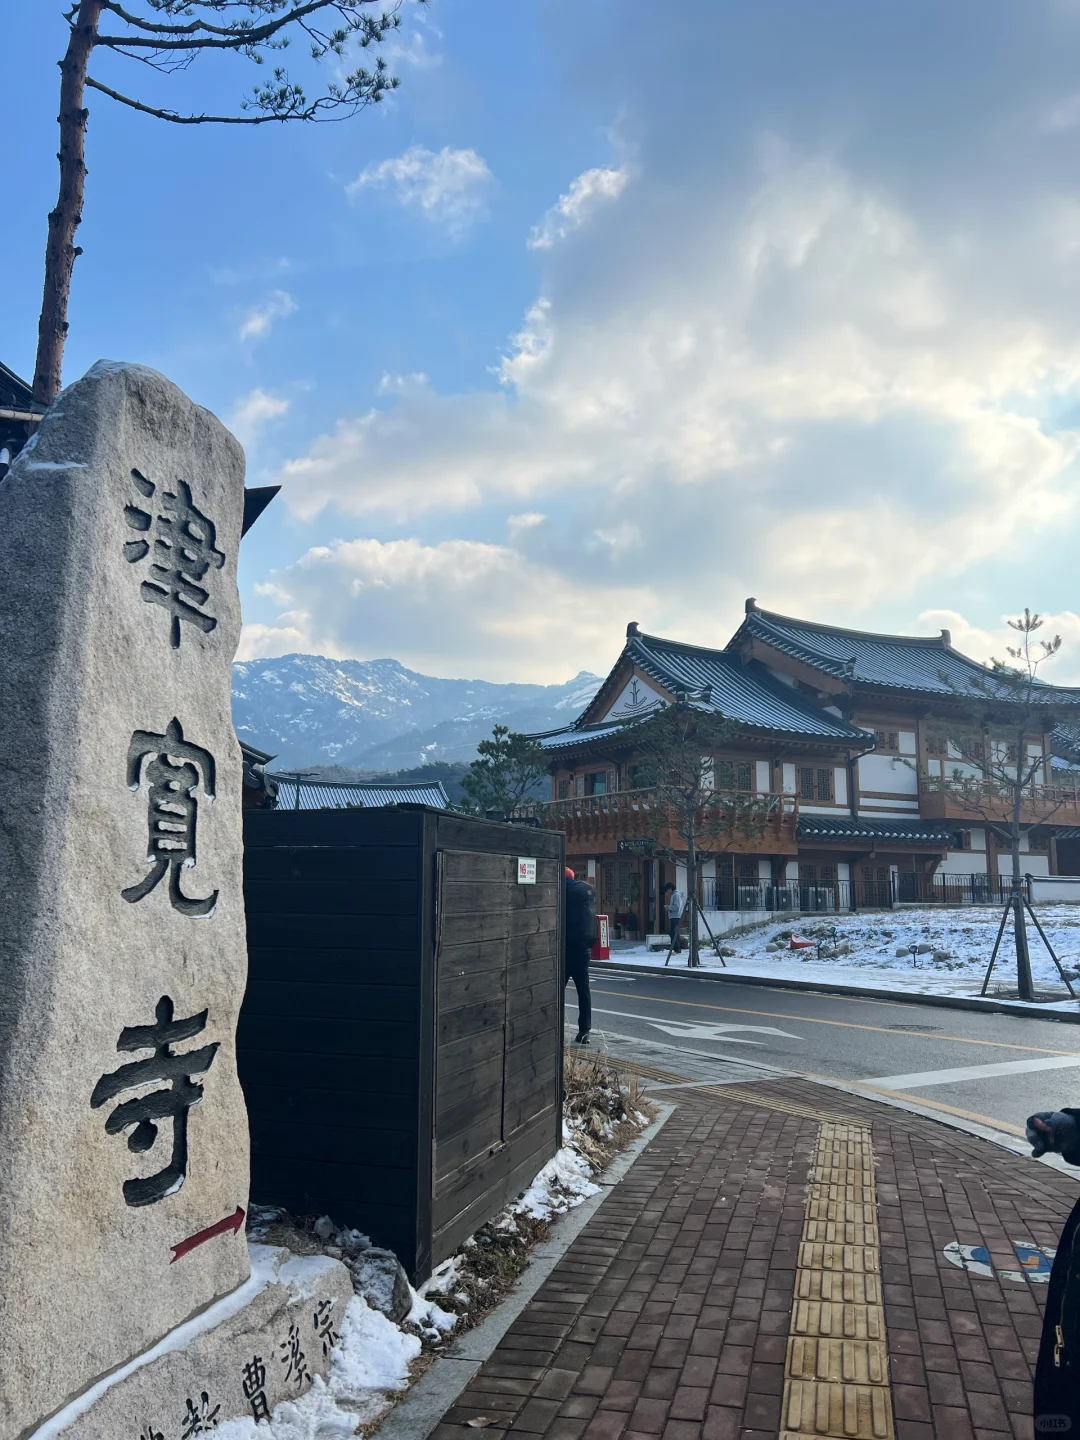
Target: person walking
676	907
580	923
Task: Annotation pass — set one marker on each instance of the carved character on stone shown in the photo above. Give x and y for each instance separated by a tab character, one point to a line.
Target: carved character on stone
254	1383
293	1358
323	1320
175	773
151	1434
199	1421
184	550
173	1103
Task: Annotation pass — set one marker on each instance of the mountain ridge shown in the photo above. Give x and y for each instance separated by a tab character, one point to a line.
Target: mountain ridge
311	710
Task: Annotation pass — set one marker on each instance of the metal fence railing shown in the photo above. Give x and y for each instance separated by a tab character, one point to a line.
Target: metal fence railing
762	895
840	895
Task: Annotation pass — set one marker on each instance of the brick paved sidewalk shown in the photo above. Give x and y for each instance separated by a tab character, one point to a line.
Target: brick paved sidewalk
773	1265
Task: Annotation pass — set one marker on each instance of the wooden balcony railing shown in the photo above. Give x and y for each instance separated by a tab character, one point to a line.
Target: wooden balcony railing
969	798
757	822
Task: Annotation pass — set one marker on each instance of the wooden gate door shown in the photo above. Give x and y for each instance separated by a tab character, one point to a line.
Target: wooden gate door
498	1033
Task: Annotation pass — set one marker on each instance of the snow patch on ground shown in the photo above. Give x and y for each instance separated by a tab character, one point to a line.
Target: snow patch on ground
967	935
563	1183
373	1357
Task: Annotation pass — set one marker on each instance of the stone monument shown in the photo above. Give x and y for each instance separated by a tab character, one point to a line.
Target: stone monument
123	1130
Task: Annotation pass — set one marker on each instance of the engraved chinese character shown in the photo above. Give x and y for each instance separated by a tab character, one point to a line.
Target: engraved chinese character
151	1434
200	1421
184	550
323	1320
254	1382
173	1103
292	1357
174	775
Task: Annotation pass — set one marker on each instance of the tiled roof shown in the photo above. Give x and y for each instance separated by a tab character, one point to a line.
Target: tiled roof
563	739
333	795
895	662
851	827
746	692
1067	832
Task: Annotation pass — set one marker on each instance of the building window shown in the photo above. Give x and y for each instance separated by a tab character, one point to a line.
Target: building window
937	746
564	790
888	741
828	874
579	784
825	785
744	775
748	870
596	783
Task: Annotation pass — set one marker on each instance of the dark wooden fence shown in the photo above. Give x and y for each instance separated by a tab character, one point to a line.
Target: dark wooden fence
400	1043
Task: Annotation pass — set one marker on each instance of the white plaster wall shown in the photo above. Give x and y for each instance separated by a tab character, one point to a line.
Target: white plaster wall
764	869
887	773
791	871
1055	890
708	869
763	780
907	742
843	871
963	862
789	779
840	784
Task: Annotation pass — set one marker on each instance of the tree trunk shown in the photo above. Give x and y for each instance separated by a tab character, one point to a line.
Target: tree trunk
1025	989
692	960
60	249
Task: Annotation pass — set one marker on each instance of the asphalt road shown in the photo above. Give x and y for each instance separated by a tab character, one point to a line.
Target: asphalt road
992	1068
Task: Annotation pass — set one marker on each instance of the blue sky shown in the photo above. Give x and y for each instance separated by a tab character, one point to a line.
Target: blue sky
610	313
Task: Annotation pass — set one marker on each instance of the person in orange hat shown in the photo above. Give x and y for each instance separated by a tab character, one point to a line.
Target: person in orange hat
580	922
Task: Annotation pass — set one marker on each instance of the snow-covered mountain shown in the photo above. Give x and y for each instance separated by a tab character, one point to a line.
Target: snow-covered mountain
376	715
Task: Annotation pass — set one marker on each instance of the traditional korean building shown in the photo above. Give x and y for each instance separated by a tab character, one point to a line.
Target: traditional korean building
19	416
841	735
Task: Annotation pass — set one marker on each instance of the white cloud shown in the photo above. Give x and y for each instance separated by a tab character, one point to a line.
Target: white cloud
517	524
986	645
460	607
252	412
411	44
447	189
586	194
259	320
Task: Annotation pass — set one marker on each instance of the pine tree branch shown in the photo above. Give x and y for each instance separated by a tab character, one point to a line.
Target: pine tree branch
310	111
199	35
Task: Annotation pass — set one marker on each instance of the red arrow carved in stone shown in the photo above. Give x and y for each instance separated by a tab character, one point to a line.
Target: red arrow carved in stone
231	1222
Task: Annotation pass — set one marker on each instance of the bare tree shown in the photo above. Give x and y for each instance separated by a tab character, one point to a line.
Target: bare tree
168	36
995	769
677	748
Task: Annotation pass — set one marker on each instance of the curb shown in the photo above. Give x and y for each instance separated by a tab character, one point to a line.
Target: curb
438	1389
771	982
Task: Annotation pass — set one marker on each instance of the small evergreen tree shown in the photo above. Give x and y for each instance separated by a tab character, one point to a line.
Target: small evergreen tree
167	36
508	767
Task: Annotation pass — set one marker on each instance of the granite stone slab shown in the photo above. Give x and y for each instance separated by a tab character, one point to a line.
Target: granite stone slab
123	1130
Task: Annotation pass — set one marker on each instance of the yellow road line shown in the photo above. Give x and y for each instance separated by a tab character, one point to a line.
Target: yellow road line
843	1024
836	1373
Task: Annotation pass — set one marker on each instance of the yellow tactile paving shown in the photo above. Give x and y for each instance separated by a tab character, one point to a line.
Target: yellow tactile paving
836	1378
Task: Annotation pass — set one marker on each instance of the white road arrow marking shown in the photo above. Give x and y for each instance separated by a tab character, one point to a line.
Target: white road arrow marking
718	1032
702	1031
